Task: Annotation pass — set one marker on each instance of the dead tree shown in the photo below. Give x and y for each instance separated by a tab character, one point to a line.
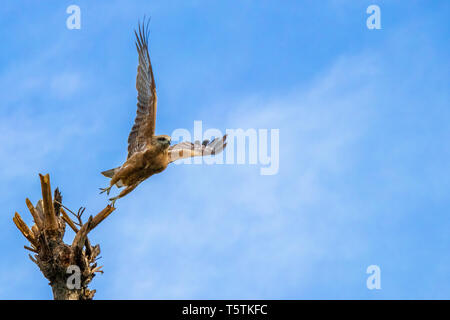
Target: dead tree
69	268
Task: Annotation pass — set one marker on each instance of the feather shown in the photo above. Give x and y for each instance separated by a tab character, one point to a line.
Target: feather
144	123
188	149
110	173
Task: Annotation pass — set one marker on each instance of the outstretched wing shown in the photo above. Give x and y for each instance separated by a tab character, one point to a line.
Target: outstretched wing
188	149
144	124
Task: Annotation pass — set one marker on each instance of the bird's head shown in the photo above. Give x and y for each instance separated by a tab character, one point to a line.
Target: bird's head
162	141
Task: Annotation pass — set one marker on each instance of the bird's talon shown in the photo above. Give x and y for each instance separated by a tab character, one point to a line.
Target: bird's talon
103	190
113	201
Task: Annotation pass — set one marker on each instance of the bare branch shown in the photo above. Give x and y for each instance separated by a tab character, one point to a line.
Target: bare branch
31	249
98	269
37	219
50	221
35	231
21	225
80	237
33	259
91	224
40	209
79	214
57	199
69	221
102	215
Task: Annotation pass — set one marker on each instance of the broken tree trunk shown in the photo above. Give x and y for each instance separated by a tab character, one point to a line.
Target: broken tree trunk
69	268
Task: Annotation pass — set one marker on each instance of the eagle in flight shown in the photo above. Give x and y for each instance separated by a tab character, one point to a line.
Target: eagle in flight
149	154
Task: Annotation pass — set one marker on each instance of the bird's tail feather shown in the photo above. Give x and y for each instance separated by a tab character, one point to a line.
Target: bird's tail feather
110	173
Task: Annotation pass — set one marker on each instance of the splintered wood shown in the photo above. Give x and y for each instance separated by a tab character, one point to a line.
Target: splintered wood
60	262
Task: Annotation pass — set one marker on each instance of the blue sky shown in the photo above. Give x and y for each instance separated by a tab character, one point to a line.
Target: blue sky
364	145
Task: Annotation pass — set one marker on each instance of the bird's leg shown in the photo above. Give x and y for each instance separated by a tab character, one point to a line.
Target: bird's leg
113	200
107	190
124	192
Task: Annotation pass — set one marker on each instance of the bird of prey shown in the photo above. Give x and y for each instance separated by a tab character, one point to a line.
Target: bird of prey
148	153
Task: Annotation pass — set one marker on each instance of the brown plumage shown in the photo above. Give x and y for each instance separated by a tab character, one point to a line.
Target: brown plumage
149	154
